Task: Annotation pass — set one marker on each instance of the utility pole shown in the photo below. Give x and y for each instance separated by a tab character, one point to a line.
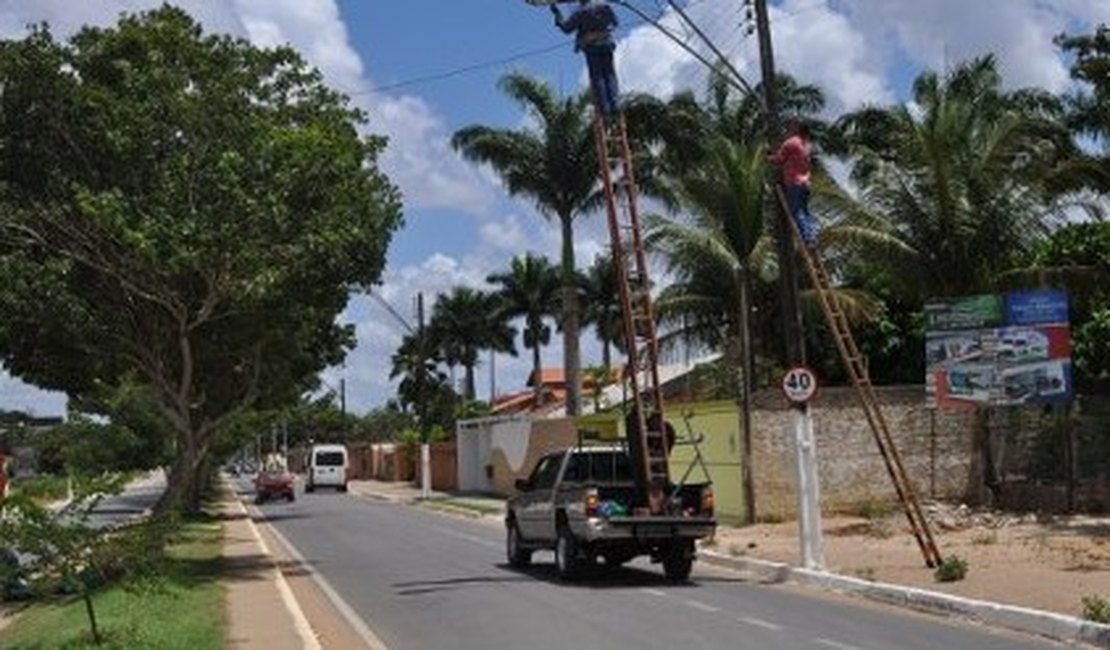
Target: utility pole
422	402
788	262
809	509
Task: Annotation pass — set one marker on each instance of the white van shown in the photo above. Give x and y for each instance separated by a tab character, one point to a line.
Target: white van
327	467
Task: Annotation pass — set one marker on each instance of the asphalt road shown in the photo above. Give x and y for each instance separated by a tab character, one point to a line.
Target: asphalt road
420	580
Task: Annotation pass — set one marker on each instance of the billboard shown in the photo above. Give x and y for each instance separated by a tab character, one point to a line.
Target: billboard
998	350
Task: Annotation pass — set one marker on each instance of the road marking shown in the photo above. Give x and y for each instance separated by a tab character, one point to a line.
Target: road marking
702	606
300	622
759	622
353	619
654	592
835	644
470	538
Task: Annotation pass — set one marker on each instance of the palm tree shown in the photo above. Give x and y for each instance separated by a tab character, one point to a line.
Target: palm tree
960	177
555	165
415	362
603	307
726	200
530	289
465	322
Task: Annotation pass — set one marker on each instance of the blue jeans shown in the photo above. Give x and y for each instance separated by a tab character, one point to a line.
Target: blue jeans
603	78
797	199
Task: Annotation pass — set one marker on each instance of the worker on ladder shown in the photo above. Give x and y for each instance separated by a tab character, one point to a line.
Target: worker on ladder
794	158
594	22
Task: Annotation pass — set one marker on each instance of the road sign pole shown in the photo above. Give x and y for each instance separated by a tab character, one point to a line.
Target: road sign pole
809	490
799	385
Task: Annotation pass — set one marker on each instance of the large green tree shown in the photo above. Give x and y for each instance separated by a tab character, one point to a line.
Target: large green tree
1089	108
603	308
960	177
552	162
185	209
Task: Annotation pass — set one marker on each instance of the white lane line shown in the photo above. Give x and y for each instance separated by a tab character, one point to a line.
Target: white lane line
702	606
300	621
759	622
835	644
654	592
470	538
353	619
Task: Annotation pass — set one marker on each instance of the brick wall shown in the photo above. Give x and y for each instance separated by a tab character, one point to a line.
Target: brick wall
935	446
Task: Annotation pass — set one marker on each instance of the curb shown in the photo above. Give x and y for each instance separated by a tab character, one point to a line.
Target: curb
1022	619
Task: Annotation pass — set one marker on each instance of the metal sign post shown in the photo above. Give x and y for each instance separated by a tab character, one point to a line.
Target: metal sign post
799	384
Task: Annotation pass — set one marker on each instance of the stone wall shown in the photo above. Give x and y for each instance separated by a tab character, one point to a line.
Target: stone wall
935	447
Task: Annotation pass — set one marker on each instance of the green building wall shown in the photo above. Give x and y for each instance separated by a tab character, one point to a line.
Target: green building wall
718	426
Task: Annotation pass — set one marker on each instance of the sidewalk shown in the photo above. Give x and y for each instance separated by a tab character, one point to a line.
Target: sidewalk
262	612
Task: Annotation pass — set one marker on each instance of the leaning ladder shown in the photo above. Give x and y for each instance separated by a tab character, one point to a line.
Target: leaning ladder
651	447
857	368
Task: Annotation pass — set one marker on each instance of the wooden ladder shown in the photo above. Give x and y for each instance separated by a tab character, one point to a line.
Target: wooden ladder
857	369
649	438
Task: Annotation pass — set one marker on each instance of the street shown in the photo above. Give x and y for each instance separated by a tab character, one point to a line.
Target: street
421	579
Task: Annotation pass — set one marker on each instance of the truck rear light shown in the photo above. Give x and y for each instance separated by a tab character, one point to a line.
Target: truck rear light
592	502
707	502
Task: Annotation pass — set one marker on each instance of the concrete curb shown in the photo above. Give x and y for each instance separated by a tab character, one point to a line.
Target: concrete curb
1023	619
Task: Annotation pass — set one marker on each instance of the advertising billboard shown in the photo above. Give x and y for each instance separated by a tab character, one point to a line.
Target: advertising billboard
998	350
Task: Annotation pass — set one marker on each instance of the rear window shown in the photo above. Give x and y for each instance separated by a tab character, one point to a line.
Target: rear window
329	458
604	467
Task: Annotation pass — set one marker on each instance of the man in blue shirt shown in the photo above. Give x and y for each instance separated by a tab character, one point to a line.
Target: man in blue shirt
594	22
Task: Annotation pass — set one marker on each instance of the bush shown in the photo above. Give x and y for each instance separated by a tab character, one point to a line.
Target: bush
1096	608
951	569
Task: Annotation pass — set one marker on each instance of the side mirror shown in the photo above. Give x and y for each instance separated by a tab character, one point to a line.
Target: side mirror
522	484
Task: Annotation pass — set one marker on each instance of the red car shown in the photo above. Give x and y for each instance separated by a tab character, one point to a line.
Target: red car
273	483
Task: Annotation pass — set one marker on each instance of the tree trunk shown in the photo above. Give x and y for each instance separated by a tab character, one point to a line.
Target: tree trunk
92	616
572	360
537	373
469	388
181	484
746	397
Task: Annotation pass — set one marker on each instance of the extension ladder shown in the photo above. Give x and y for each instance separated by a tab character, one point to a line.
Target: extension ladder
649	436
857	369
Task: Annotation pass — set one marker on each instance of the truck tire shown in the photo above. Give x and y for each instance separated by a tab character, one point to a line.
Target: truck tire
678	562
567	561
518	556
308	487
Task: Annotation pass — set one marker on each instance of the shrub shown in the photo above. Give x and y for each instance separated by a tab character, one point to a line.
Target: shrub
951	569
1096	608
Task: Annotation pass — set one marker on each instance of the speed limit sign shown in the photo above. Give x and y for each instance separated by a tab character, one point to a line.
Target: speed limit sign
799	384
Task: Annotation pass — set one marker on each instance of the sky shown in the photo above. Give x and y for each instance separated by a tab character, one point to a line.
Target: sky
423	69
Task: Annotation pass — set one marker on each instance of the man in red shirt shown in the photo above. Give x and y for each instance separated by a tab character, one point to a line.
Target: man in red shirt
794	158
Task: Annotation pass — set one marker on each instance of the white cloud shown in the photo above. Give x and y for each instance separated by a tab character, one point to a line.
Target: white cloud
939	33
18	396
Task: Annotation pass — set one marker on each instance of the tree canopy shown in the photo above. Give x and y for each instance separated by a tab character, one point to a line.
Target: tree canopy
183	208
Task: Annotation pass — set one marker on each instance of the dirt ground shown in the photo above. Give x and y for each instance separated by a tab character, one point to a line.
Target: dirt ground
1047	563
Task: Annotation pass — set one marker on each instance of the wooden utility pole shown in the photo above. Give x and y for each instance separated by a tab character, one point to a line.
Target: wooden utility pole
793	330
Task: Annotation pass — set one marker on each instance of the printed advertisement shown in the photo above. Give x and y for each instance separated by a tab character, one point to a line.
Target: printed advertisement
998	350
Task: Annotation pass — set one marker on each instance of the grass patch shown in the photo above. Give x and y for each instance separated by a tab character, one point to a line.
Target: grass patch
951	569
452	504
1096	608
181	611
42	489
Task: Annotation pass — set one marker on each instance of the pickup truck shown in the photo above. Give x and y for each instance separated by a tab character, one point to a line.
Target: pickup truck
583	503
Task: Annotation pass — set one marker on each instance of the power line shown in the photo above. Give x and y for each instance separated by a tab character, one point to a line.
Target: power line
447	74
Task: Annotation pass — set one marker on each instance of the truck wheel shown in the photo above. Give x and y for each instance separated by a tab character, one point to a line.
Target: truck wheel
518	556
678	562
308	487
567	562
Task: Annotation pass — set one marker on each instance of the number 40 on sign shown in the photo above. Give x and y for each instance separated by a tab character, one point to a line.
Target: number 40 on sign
799	384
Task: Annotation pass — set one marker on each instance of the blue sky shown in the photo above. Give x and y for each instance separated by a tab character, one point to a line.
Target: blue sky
460	225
